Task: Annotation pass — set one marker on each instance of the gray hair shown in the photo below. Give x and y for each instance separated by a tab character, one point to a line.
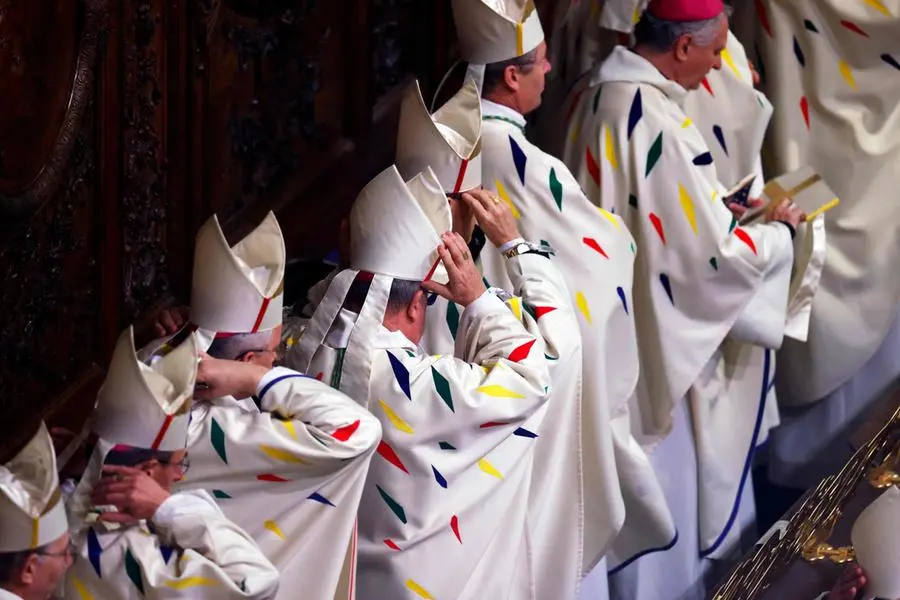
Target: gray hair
12	562
494	73
402	293
235	346
662	35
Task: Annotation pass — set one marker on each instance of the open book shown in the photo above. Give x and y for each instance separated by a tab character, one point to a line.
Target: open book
741	192
804	186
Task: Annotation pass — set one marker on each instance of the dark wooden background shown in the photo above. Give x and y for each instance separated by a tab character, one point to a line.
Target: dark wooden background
125	123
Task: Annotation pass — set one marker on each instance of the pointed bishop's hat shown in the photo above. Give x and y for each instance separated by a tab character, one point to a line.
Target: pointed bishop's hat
240	288
396	225
395	230
32	513
877	544
449	141
147	407
493	31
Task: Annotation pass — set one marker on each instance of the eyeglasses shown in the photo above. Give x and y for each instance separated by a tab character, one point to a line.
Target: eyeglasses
184	464
278	352
71	551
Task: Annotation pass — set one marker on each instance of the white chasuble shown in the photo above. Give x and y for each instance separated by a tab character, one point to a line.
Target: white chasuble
729	113
832	70
444	513
290	475
189	549
699	277
624	510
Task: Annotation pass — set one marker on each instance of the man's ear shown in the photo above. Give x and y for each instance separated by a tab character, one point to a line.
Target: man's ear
682	45
28	570
416	308
148	465
511	77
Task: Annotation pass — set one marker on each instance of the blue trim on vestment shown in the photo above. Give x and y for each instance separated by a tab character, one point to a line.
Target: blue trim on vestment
764	393
269	385
668	546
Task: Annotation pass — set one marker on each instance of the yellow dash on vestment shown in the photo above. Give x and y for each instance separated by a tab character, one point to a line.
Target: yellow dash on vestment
573	135
418	590
515	304
847	74
83	592
35	532
394	419
611	150
610	217
501	191
636	17
189	582
726	56
581	303
686	123
289	426
715	195
879	6
274	528
687	205
488	468
520	39
282	455
498	391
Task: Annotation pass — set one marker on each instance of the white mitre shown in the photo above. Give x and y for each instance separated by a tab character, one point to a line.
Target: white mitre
240	288
31	511
147	407
491	31
876	539
449	141
396	225
395	230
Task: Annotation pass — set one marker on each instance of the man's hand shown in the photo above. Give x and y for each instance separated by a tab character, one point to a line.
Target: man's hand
465	284
493	215
754	73
739	210
851	581
133	492
170	320
463	219
788	212
221	377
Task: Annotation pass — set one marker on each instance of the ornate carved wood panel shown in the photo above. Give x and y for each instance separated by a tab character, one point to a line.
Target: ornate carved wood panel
131	121
48	195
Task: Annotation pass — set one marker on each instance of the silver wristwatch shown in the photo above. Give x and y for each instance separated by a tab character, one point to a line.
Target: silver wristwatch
521	248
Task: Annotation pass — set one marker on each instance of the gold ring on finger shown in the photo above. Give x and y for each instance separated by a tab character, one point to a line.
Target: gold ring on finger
496	199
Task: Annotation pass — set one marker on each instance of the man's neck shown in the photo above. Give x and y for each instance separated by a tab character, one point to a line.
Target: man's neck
506	99
662	62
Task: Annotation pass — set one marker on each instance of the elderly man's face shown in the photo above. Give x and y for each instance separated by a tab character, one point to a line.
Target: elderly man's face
696	61
43	570
530	85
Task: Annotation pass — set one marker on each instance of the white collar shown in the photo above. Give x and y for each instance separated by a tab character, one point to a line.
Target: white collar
624	65
8	595
492	109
